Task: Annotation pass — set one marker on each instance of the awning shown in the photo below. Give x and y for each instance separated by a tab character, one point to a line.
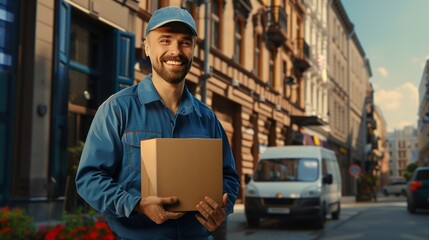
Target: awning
307	120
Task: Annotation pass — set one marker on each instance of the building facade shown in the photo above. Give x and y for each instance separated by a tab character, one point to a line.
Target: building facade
339	26
423	113
403	147
380	151
359	73
315	78
60	59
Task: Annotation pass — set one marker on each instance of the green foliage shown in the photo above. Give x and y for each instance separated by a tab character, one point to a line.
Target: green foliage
15	224
411	167
74	154
409	170
368	180
80	226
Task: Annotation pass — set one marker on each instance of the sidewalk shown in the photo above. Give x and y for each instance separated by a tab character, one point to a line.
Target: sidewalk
348	199
239	207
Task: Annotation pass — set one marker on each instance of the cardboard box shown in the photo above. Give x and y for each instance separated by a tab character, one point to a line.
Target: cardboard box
188	168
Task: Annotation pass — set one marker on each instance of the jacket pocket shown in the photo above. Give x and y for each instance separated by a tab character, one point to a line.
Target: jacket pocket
131	140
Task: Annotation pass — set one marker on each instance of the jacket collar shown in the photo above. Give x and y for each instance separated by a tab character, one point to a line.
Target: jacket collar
147	93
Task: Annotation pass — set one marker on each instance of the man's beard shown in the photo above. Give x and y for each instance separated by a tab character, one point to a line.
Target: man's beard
172	76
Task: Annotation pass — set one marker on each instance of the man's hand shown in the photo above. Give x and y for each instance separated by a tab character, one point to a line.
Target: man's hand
212	215
152	207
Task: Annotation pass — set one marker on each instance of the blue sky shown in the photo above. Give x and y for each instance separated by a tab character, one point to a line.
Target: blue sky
395	37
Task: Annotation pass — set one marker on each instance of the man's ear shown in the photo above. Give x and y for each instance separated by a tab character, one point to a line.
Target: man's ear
146	47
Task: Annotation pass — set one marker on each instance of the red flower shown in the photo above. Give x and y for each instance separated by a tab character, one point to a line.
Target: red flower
101	225
5	230
5	220
5	209
52	234
109	236
98	230
93	234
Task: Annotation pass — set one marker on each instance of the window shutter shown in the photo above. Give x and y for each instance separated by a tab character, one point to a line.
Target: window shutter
125	59
9	20
57	167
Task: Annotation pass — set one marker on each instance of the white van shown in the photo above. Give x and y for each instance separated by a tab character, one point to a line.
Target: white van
294	182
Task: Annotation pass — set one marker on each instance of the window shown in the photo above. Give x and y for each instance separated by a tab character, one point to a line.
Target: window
258	56
9	26
272	69
239	41
422	175
215	34
285	76
84	75
192	8
155	4
287	170
84	65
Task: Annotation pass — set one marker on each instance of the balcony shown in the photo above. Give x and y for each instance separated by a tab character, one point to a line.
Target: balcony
277	25
372	139
371	123
302	57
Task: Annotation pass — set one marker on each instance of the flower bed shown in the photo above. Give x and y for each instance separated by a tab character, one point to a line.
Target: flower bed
16	224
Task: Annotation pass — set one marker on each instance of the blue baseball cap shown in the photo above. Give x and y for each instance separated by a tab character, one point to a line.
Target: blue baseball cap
166	15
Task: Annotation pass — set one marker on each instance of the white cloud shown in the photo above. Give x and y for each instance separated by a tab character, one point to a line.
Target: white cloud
421	62
383	72
399	105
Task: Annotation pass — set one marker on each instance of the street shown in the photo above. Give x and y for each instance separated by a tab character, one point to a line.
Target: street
387	218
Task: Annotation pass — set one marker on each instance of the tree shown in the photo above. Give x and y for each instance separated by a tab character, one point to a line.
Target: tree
409	170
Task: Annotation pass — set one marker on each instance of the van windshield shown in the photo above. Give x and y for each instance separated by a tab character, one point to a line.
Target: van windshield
290	169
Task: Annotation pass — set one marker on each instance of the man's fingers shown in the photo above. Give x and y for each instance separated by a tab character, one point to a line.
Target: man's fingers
212	203
225	199
211	215
208	224
174	215
153	208
168	200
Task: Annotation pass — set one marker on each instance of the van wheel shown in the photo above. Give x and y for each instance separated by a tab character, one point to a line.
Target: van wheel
336	215
252	221
320	222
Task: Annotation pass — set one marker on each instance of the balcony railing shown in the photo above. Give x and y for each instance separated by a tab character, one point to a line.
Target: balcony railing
302	57
277	25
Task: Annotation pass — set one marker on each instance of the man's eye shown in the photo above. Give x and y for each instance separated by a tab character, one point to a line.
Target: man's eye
164	41
186	43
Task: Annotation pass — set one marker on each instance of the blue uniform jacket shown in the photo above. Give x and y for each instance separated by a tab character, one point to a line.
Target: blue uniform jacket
108	177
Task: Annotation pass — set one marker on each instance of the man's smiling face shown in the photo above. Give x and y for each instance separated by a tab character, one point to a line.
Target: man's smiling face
171	50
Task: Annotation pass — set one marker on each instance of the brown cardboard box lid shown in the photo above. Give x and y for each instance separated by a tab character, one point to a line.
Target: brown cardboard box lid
188	168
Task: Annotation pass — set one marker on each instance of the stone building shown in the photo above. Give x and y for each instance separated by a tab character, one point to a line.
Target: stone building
380	151
348	73
423	113
60	59
315	78
403	147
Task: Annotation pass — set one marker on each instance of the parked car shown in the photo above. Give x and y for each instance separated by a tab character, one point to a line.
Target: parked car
294	182
395	188
418	190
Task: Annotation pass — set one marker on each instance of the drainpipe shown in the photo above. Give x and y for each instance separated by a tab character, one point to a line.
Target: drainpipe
207	73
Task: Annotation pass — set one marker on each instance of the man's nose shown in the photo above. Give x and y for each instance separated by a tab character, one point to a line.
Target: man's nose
175	48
